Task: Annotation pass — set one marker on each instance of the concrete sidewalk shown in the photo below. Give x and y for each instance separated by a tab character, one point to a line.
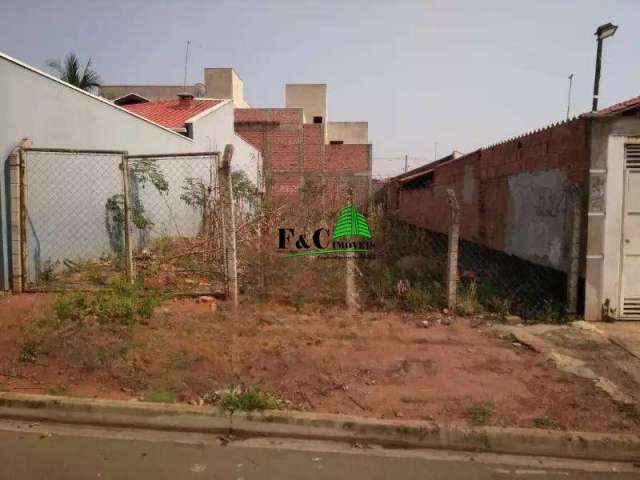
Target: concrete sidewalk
35	451
606	353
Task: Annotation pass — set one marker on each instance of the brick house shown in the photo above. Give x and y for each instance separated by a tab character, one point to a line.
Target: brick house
514	198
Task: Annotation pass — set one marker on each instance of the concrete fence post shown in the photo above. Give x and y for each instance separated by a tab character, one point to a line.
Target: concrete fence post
573	270
350	274
351	294
128	246
228	226
452	251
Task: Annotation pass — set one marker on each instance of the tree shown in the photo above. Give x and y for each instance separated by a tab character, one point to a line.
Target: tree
71	72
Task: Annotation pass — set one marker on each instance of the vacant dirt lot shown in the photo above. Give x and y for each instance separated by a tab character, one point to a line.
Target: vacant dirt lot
315	357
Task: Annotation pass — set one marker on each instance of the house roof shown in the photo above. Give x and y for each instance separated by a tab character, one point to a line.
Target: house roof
622	106
172	113
429	167
130	99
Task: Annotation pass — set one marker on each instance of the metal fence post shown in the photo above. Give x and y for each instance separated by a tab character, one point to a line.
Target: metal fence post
128	247
229	225
573	270
452	251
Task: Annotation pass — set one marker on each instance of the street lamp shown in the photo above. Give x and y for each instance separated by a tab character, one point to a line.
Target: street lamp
604	31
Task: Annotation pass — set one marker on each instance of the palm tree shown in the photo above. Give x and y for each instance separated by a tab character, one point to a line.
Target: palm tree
71	72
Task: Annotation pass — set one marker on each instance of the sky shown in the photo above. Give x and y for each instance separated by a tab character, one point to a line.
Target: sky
429	76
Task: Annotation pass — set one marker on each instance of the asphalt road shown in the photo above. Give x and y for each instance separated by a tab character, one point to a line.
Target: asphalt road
65	452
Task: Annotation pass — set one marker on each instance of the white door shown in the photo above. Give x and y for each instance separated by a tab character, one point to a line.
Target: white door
630	275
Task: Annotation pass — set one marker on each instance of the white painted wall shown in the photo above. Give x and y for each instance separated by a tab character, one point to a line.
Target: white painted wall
216	129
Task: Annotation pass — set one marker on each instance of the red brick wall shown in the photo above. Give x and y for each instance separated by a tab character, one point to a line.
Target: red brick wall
313	147
483	218
293	151
348	157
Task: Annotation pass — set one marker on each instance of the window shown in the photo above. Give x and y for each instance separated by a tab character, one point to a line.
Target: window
336	142
317	119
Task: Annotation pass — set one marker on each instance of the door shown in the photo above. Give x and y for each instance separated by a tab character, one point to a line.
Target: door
630	265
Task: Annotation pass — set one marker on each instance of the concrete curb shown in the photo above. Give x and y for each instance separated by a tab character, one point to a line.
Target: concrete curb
391	433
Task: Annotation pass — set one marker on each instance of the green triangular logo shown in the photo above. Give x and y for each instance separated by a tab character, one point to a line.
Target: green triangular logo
351	223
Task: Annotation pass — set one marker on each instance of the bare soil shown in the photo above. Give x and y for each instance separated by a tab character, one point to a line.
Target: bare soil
385	365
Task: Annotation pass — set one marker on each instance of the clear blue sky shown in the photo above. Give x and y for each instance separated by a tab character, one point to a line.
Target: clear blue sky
461	73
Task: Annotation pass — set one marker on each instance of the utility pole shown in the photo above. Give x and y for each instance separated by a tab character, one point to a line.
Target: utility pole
569	98
435	151
406	163
186	63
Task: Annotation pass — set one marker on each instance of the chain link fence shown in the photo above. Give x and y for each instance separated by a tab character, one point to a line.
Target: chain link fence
87	223
417	269
66	231
175	220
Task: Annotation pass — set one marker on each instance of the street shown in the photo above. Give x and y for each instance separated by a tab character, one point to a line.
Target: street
49	451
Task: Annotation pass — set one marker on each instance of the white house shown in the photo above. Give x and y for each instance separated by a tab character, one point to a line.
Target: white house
54	114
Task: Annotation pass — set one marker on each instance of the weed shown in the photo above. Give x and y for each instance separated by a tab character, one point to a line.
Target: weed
71	306
550	312
121	303
500	306
417	299
480	413
162	396
247	400
468	302
545	422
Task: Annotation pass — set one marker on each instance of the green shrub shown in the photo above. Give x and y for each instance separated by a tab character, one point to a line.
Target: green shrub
121	302
71	306
161	396
480	413
247	400
545	422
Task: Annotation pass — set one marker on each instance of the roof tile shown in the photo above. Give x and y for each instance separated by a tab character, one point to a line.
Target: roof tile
169	113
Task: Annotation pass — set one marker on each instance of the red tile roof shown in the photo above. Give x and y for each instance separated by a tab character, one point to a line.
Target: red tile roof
622	106
170	113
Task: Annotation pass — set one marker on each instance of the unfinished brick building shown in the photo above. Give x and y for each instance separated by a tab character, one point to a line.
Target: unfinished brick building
515	198
303	154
